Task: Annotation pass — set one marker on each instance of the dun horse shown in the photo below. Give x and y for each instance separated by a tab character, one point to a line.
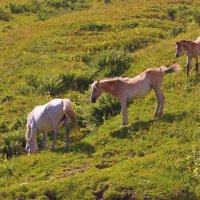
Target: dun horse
192	49
125	89
46	118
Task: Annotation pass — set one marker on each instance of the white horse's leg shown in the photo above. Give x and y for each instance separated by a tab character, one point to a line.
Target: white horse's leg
67	130
44	140
124	111
55	136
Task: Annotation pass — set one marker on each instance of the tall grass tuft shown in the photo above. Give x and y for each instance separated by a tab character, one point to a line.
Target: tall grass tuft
112	63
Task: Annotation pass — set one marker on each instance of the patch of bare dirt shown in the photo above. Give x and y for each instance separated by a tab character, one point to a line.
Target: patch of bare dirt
74	171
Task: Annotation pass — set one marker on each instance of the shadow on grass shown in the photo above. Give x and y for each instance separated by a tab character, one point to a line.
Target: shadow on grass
81	147
185	194
127	131
171	117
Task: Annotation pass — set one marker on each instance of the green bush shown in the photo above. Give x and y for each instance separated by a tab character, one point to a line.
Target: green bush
18	8
196	16
172	13
95	26
176	31
6	98
105	108
138	43
131	24
54	85
4	16
12	144
3	127
112	63
46	8
59	3
51	84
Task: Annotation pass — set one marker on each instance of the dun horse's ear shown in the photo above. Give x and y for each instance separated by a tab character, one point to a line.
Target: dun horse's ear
97	83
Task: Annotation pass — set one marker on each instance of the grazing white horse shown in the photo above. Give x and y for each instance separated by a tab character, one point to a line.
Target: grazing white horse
46	118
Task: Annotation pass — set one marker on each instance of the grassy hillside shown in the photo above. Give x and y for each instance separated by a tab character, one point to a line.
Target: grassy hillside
52	49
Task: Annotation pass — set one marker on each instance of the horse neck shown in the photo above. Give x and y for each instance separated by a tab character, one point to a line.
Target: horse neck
110	86
187	45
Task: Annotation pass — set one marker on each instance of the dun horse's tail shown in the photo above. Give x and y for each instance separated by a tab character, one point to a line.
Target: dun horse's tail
67	106
173	68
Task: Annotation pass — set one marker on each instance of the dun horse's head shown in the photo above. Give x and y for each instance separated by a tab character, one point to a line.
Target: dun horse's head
96	92
179	49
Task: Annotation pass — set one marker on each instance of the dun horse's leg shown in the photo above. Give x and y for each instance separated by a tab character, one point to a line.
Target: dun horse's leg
197	65
160	100
188	65
44	140
124	112
161	104
55	137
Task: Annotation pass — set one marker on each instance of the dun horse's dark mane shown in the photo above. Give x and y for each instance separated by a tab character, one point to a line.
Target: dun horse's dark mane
186	41
116	78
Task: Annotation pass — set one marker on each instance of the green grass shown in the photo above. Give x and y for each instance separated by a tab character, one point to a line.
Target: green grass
59	55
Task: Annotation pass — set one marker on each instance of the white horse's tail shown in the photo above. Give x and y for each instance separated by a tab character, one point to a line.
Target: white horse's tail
67	107
29	133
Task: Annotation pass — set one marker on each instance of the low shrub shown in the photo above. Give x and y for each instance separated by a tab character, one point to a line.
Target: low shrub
12	144
172	12
176	31
18	8
46	8
3	127
105	108
4	16
196	16
55	84
112	63
95	26
6	98
138	43
130	24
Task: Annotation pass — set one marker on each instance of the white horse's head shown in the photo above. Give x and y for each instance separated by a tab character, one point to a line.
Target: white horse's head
31	141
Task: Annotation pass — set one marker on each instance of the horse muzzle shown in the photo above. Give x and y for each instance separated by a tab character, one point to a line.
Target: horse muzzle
177	55
93	99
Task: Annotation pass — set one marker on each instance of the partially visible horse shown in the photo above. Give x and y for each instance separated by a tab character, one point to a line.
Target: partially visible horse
46	118
125	89
192	49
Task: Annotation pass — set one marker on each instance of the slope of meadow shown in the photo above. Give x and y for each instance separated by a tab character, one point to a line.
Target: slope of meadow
55	49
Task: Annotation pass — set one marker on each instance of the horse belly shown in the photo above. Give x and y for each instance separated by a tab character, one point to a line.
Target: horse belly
45	125
141	92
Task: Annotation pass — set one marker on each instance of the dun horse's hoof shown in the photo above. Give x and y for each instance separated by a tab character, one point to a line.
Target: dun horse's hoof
52	148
